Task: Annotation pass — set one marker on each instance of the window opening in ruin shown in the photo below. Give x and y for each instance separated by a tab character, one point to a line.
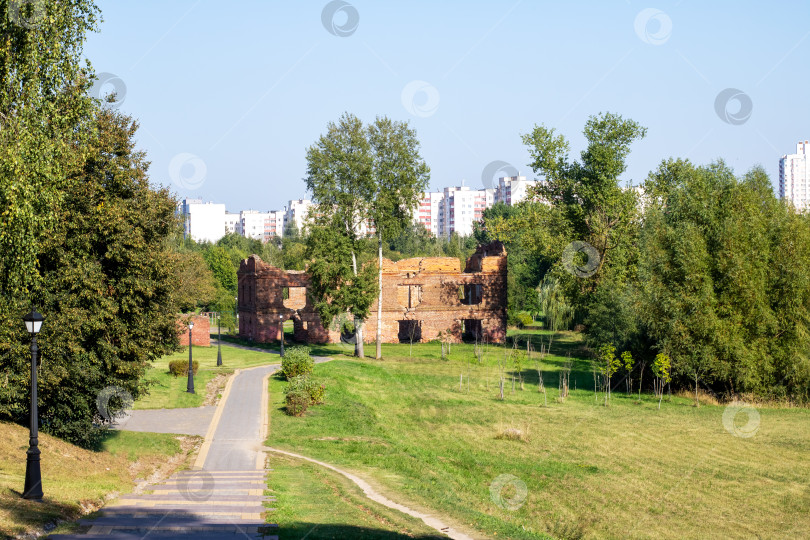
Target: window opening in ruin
285	293
472	330
296	297
470	293
409	296
410	331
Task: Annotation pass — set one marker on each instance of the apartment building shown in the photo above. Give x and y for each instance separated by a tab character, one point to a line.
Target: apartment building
794	177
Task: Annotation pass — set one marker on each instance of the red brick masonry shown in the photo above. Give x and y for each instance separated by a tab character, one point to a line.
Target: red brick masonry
201	334
421	297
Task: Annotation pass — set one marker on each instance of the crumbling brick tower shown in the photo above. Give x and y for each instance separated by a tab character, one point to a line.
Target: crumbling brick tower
421	298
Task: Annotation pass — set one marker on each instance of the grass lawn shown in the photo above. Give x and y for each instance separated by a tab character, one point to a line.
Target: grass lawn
315	503
169	392
66	492
583	471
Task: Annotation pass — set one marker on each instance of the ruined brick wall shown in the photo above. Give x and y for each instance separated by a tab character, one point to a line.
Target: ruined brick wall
425	296
263	308
421	298
200	335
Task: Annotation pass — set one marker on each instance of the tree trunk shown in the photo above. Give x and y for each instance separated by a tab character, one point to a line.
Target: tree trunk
379	297
358	324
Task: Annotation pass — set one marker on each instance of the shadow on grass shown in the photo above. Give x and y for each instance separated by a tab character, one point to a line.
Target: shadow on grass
31	513
313	531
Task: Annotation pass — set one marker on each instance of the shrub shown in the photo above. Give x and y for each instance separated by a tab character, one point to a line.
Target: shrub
524	320
297	402
313	389
296	362
180	367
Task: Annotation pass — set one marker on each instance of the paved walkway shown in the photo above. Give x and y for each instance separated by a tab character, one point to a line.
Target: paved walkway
223	495
192	421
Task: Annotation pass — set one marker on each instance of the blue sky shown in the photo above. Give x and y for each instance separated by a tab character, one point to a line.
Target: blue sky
230	95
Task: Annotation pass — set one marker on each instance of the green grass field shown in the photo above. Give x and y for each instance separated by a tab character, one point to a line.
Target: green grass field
318	504
584	470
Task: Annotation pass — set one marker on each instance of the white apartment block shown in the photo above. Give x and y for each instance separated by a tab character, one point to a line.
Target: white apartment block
252	224
427	212
275	224
512	189
461	207
202	222
232	222
296	212
794	177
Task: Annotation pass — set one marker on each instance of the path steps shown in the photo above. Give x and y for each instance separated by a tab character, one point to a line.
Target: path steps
199	504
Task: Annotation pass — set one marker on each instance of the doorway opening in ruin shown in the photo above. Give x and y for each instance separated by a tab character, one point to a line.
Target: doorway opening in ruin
470	293
410	331
472	330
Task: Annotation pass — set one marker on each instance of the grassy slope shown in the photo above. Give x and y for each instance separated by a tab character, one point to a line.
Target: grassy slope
316	503
628	470
102	473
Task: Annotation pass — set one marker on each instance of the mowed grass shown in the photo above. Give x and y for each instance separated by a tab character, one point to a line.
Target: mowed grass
628	470
72	478
315	503
169	392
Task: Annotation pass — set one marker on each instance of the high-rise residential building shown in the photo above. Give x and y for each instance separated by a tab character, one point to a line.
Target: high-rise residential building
794	177
512	189
274	225
427	212
253	224
202	222
461	207
296	212
232	222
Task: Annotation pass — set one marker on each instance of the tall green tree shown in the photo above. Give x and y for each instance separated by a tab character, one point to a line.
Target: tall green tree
587	202
399	175
107	289
339	176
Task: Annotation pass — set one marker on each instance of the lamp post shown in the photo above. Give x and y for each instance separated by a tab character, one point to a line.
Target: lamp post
190	385
281	318
33	475
219	340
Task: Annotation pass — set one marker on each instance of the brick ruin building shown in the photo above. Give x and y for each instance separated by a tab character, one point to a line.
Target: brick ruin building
421	298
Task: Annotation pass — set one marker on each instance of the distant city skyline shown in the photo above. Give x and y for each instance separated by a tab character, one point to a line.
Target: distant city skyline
228	100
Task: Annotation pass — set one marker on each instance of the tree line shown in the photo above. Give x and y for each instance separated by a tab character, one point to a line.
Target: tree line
702	266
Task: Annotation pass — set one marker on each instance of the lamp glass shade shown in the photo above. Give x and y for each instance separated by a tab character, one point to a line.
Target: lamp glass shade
33	322
191	325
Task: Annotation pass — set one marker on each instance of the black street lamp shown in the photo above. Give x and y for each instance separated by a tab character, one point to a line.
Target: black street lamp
33	475
219	340
190	385
281	318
